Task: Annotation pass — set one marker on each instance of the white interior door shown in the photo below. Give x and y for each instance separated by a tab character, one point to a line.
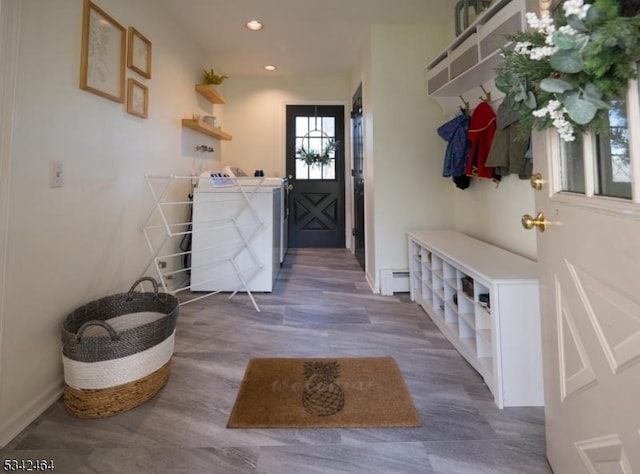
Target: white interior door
589	259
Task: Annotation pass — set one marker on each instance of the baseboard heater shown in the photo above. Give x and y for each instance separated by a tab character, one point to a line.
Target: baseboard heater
394	281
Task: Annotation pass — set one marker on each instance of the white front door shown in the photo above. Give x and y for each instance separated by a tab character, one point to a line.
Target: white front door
589	259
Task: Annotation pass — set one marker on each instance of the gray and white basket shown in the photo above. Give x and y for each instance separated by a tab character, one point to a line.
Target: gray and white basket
117	351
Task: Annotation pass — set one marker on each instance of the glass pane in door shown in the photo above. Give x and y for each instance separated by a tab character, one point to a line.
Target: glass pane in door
314	136
572	166
613	164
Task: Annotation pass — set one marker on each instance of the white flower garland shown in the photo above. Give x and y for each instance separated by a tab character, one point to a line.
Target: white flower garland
564	73
557	112
576	7
545	26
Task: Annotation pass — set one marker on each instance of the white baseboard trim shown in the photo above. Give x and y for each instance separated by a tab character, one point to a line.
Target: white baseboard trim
372	282
394	281
12	427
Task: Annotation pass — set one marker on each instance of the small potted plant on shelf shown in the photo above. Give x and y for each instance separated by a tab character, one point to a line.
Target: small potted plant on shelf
210	77
314	158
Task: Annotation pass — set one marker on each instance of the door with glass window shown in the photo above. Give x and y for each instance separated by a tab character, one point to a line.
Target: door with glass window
589	257
315	168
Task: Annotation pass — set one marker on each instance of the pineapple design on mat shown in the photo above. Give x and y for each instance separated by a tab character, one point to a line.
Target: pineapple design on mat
321	395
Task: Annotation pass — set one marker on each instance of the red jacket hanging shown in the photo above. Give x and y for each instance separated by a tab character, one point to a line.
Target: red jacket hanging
481	130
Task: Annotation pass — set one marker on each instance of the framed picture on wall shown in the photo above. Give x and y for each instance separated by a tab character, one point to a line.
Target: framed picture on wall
137	98
139	53
103	53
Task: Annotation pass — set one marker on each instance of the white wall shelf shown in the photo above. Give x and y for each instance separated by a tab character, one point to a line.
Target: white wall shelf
203	127
501	340
214	96
210	93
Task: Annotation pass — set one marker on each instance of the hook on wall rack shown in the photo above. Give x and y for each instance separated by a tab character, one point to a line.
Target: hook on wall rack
487	95
465	103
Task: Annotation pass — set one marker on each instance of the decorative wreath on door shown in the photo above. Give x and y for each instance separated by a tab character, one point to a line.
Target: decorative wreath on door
312	157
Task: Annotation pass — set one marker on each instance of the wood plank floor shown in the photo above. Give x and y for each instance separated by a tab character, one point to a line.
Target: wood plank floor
321	307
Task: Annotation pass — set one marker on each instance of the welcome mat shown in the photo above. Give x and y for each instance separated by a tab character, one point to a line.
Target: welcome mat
364	392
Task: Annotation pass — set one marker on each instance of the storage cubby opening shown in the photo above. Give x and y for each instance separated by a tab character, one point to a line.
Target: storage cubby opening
467	286
448	272
483	298
436	263
416	279
426	293
465	304
438	303
468	318
437	283
449	293
483	319
450	315
426	258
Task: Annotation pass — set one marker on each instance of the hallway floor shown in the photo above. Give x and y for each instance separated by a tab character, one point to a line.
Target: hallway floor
321	307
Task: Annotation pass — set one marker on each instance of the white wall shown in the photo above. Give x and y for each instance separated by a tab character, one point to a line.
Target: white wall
493	213
68	246
255	114
408	190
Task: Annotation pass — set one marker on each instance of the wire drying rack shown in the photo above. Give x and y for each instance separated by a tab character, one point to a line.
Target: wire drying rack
166	224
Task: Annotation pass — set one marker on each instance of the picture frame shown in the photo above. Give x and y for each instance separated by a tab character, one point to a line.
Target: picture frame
137	98
139	53
102	64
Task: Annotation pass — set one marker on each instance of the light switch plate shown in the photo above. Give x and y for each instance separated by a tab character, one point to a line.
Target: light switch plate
55	174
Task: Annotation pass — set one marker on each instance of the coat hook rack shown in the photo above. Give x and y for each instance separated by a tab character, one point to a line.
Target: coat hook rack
487	95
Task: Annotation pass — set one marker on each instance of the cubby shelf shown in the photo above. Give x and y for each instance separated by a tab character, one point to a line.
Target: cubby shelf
503	344
470	60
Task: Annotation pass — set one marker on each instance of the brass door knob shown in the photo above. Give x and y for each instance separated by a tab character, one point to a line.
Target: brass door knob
539	221
290	187
537	181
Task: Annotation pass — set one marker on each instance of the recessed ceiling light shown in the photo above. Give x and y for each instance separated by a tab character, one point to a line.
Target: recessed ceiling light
270	67
254	25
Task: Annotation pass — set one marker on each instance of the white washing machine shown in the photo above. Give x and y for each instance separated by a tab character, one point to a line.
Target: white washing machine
237	232
236	172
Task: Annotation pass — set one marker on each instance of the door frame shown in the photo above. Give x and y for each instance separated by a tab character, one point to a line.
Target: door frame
10	25
357	101
348	201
